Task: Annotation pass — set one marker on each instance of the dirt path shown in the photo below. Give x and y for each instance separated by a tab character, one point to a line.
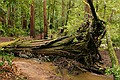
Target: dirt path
36	71
46	71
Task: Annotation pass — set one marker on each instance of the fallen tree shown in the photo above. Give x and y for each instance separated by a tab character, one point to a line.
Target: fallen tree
84	50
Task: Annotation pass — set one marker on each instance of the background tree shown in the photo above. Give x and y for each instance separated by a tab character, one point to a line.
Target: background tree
39	22
45	20
73	16
32	21
63	12
69	5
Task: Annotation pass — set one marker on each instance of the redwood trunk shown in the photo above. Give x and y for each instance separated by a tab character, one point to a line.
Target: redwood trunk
45	20
32	21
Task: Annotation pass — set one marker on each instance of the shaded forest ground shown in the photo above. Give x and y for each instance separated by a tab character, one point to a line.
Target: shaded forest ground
106	58
45	71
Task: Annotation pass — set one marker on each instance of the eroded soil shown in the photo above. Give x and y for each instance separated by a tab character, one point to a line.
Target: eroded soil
33	70
36	71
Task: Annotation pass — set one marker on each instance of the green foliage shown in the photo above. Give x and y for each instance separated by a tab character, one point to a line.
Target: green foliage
111	16
38	17
54	11
1	63
115	33
2	30
14	31
76	17
114	71
6	57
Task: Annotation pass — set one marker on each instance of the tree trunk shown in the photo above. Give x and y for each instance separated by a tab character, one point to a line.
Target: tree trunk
63	13
8	14
11	10
83	52
68	11
87	10
24	24
13	16
45	20
32	21
93	9
24	21
52	13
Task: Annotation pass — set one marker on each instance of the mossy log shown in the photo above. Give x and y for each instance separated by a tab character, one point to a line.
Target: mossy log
63	47
3	44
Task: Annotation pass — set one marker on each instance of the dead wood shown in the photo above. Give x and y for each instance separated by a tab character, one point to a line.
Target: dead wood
3	44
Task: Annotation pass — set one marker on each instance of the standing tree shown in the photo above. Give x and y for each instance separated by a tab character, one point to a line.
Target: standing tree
45	20
8	14
63	13
52	10
23	20
32	21
68	11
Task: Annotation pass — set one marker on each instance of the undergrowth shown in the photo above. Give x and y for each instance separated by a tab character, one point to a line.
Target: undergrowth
115	71
8	70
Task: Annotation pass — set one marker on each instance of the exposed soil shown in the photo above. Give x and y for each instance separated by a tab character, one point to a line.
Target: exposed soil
36	71
6	39
106	58
33	70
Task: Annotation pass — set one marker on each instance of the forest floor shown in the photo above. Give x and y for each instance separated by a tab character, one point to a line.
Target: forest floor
30	69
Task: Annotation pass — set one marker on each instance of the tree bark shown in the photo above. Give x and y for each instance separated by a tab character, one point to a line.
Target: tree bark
23	19
87	10
4	44
92	9
32	21
52	14
63	13
45	20
68	11
8	13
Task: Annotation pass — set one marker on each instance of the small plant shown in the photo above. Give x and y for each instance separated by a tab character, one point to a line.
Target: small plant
115	71
6	57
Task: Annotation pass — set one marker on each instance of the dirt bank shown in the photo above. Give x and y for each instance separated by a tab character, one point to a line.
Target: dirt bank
33	70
